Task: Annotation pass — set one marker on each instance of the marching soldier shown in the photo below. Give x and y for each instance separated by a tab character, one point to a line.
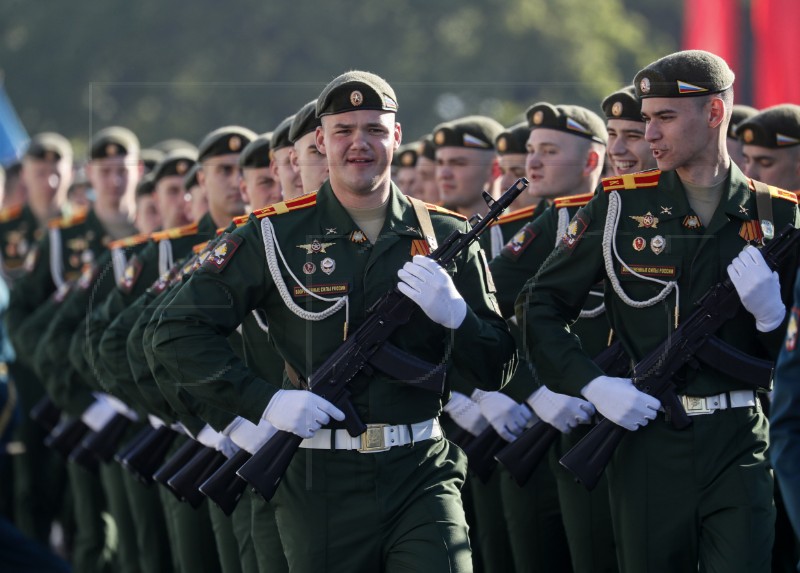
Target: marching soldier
771	146
741	113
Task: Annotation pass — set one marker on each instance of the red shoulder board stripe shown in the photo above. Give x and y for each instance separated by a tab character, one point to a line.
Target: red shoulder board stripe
131	241
66	222
10	213
573	200
775	192
519	215
199	247
438	209
302	202
175	233
632	181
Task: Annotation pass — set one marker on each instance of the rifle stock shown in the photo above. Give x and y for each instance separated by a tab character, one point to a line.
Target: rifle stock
224	487
147	456
173	465
66	436
46	414
481	452
265	469
104	443
186	483
134	442
654	373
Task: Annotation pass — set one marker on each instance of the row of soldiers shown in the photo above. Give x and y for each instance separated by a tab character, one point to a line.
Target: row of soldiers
203	337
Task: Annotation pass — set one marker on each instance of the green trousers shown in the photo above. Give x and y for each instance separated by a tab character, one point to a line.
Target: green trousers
147	512
491	527
392	511
227	546
119	509
266	539
241	520
701	496
94	545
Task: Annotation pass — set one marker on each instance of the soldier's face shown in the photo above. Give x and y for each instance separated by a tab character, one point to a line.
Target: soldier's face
113	178
462	174
679	131
555	163
148	218
45	180
309	162
282	169
171	201
406	180
260	187
359	146
627	149
778	167
512	167
426	176
220	180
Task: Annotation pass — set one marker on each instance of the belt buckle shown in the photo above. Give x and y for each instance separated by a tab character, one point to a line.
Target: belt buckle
696	405
373	440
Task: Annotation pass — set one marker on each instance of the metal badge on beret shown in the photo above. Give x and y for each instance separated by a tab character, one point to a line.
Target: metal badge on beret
356	98
502	144
537	118
111	150
616	109
235	143
644	85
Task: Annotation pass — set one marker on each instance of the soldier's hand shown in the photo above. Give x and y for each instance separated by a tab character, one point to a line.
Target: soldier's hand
559	410
300	412
98	415
250	437
758	287
466	413
216	441
507	417
621	402
427	284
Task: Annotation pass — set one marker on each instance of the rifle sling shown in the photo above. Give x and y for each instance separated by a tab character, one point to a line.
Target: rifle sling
764	205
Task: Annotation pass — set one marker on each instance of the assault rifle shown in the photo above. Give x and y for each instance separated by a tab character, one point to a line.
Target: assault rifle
693	340
332	379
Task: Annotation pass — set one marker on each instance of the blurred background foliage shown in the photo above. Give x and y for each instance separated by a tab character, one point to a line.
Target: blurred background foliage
169	69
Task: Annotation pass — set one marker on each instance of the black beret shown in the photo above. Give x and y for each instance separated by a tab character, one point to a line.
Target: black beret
623	104
570	119
256	154
280	135
49	146
113	142
177	162
513	140
428	148
406	155
684	74
151	157
354	91
190	180
738	115
146	186
224	141
305	121
474	131
777	126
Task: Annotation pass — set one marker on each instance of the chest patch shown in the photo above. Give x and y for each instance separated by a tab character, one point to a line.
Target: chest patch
220	256
131	274
657	271
519	242
575	230
332	289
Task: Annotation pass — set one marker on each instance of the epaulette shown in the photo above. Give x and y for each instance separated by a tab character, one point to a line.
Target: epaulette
10	213
573	200
131	241
175	232
519	215
776	192
302	202
438	209
639	180
76	218
199	247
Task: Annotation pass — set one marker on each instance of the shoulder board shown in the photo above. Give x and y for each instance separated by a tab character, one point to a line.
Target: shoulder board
175	233
76	218
776	192
199	247
10	213
573	200
302	202
131	241
632	181
438	209
519	215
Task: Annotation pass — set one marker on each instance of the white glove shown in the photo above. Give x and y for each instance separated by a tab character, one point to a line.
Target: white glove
300	412
216	441
758	287
427	284
98	415
120	407
559	410
508	418
618	400
250	437
155	421
466	413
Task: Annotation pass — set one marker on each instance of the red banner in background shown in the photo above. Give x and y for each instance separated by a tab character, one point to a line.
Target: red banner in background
776	43
714	26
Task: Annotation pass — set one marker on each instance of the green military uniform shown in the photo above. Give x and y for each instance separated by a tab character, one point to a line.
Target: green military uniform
696	490
363	272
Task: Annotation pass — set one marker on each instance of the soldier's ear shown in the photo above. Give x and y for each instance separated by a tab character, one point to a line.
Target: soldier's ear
201	177
593	159
398	135
716	112
320	140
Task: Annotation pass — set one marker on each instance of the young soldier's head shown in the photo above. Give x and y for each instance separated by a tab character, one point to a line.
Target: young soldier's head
281	161
739	115
566	150
258	185
47	173
169	193
306	158
628	151
114	170
771	146
404	169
